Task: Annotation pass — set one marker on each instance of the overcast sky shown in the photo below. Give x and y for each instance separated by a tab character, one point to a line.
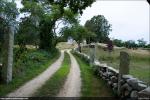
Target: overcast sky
129	19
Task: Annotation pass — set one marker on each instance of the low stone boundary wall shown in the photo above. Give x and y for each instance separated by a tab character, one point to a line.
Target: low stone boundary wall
130	88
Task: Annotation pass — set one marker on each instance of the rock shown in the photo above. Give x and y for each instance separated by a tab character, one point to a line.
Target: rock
105	74
125	87
122	82
96	62
125	77
103	77
126	93
109	83
133	82
100	72
114	79
141	86
103	69
115	85
144	93
141	82
113	70
134	94
107	79
109	74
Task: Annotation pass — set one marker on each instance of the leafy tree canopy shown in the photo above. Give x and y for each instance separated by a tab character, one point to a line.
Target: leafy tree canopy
8	13
48	12
78	32
100	26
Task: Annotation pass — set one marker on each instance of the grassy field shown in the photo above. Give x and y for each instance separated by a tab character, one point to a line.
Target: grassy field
56	82
139	63
92	86
28	65
65	45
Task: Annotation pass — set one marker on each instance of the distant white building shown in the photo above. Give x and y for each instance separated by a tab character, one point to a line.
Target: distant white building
70	40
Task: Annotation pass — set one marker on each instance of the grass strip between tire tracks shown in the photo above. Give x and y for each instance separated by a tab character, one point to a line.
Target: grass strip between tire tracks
56	82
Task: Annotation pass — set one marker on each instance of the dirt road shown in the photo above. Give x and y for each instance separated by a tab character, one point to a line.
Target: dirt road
30	87
72	86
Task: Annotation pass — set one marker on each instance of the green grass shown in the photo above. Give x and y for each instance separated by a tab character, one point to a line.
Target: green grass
139	63
28	65
92	86
56	82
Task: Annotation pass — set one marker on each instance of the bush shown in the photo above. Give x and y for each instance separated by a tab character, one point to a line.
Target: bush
30	59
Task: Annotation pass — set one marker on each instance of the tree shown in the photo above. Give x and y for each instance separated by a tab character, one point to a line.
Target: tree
118	42
130	44
147	46
100	26
141	42
53	10
27	34
78	33
8	14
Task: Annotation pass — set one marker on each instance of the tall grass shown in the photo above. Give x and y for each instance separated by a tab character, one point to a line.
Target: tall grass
92	86
139	62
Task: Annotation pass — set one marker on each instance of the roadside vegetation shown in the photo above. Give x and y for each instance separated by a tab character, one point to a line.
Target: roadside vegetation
27	65
139	63
56	82
92	86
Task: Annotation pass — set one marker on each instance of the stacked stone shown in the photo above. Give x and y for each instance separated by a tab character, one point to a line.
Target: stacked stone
131	87
110	75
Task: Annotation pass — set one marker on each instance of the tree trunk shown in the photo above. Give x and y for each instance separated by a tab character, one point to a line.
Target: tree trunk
7	55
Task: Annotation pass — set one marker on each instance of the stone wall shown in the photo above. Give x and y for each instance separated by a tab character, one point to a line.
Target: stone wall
130	87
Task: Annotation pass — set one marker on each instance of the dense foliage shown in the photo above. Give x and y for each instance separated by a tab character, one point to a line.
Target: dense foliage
45	14
100	26
78	33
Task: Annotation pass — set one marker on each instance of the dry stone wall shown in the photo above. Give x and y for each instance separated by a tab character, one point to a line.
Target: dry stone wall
130	87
